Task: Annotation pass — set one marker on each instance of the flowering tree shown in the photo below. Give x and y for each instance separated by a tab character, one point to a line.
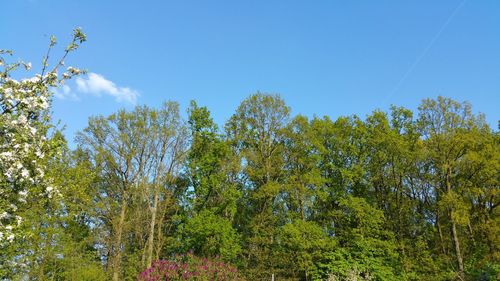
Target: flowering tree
26	144
189	267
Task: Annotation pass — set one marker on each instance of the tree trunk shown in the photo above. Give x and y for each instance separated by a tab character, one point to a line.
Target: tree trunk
457	250
441	239
159	232
118	252
454	233
152	229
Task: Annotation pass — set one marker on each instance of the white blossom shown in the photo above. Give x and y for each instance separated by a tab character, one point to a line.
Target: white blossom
4	215
19	166
40	172
23	193
39	154
19	220
22	119
23	126
6	154
32	79
73	70
8	175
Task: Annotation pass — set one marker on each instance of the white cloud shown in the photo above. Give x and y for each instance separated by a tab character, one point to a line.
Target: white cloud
64	93
97	85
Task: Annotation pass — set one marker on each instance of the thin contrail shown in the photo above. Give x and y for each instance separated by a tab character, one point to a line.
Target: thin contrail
422	55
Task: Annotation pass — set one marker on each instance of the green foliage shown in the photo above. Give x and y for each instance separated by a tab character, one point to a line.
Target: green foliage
303	244
386	198
365	249
210	235
211	164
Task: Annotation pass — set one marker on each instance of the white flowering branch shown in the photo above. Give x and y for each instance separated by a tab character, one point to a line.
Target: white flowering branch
24	145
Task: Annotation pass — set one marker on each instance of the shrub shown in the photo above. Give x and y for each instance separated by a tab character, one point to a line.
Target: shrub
190	267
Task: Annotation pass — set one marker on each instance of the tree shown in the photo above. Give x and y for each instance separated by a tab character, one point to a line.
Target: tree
303	181
365	249
256	133
211	166
139	154
388	197
210	235
210	171
28	142
302	245
451	132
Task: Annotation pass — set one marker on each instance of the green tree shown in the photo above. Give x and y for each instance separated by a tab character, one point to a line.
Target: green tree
256	132
211	174
302	245
365	249
210	235
139	156
452	133
211	166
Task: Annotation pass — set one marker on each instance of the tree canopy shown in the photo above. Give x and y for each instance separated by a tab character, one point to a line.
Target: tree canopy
398	195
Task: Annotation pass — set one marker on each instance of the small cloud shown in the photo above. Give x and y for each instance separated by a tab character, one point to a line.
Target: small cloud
65	93
97	85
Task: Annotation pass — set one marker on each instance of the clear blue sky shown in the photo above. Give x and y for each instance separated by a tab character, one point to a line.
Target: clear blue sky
324	57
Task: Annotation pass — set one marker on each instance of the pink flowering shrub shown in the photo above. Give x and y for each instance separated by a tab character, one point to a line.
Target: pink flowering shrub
190	267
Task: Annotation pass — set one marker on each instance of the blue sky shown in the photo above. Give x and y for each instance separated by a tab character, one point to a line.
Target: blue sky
324	57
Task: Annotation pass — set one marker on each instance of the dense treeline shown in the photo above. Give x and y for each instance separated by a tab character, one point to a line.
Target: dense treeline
392	197
399	195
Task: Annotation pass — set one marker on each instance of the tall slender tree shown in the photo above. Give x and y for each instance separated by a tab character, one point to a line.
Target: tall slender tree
256	132
139	154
